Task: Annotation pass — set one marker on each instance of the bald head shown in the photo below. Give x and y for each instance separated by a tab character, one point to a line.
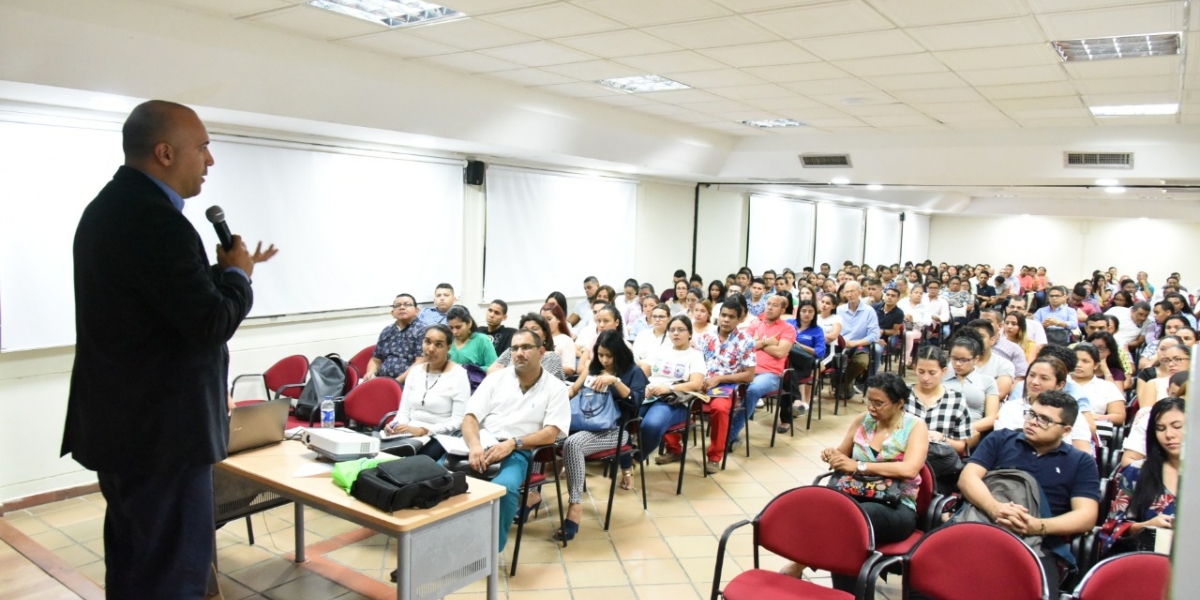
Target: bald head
168	142
852	291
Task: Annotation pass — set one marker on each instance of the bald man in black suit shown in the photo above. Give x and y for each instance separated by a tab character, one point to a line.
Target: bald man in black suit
147	407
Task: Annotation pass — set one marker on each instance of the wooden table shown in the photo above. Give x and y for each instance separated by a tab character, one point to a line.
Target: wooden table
440	550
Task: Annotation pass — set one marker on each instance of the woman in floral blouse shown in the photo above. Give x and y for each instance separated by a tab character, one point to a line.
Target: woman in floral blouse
1147	488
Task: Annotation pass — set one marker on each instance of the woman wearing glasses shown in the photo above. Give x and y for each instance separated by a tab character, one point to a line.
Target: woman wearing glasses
674	367
1176	359
655	336
978	389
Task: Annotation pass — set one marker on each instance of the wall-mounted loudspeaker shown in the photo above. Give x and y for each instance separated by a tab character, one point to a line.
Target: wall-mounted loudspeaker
473	172
902	216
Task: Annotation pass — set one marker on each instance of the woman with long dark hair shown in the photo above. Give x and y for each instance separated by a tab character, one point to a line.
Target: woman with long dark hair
561	332
1146	489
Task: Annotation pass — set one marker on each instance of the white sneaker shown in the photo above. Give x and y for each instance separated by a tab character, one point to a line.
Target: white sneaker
760	403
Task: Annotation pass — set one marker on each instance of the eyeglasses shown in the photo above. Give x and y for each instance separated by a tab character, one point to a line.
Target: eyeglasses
657	317
876	405
524	348
960	361
1042	420
1177	360
404	305
1056	295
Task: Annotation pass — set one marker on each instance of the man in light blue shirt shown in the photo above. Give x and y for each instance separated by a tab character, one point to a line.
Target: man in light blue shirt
860	329
1058	315
443	299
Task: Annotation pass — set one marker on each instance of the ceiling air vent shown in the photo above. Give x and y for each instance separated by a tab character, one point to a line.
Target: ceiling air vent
825	160
1099	160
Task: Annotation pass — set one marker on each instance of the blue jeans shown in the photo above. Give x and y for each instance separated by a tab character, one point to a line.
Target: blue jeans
763	384
657	418
512	477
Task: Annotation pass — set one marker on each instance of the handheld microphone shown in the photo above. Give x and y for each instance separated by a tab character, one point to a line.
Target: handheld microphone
216	216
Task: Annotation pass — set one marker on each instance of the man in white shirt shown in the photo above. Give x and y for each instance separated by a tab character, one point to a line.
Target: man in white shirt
523	407
1033	328
582	313
939	308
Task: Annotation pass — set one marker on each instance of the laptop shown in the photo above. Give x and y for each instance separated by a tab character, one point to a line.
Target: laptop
257	425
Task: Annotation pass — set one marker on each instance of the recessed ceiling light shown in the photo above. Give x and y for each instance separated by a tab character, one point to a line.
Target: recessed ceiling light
874	187
1134	110
773	123
1115	189
1107	182
839	181
1126	46
393	13
643	83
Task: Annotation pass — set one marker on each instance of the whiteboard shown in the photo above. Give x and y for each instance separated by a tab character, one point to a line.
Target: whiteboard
547	231
781	233
354	229
883	237
839	235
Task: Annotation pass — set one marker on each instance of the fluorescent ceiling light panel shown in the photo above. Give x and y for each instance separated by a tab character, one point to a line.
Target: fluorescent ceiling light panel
392	13
1126	46
773	123
643	83
1134	110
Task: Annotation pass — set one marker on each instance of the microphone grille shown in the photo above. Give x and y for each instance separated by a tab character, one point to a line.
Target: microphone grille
215	214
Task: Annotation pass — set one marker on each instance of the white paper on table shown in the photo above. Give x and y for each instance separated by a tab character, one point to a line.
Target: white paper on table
458	446
312	469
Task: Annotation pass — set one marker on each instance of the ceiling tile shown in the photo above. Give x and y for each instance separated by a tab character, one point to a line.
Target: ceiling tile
761	55
1170	97
1027	90
615	44
719	106
479	7
1056	123
399	43
716	78
529	77
538	54
1132	20
684	97
784	102
690	117
845	85
1050	113
983	114
1146	120
752	92
579	90
671	62
594	70
844	101
801	72
898	120
907	13
814	112
472	62
942	95
1131	67
711	33
231	8
880	110
851	16
750	115
641	13
892	65
1001	57
470	34
969	125
1118	85
1013	76
984	34
1049	6
835	122
745	6
315	22
659	108
918	128
553	20
945	108
921	81
888	42
623	100
1039	103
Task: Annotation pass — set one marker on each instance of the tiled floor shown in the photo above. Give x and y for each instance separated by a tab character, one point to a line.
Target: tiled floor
665	552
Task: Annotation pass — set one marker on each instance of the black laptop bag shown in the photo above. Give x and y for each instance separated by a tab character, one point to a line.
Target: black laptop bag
413	482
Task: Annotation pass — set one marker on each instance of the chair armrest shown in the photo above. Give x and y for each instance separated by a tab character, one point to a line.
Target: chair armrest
716	589
385	420
864	587
279	392
826	475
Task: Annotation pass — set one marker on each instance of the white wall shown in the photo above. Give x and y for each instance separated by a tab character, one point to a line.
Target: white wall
1069	248
721	232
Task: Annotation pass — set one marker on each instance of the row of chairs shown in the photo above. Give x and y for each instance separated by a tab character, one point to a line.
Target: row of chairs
827	530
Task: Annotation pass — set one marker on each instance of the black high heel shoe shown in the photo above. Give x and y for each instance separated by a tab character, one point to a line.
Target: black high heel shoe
523	513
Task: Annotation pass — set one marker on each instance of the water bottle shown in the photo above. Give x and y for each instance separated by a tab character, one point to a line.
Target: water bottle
327	413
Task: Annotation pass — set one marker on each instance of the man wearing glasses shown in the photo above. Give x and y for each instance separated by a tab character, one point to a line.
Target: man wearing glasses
1068	478
1060	320
399	345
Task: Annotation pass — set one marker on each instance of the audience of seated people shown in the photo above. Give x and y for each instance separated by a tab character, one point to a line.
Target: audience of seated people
1004	391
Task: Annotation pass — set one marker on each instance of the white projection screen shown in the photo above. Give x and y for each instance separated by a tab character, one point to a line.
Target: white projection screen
574	225
346	222
883	237
781	233
839	235
916	238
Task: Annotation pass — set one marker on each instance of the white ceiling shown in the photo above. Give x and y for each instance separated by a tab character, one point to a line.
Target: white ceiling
838	66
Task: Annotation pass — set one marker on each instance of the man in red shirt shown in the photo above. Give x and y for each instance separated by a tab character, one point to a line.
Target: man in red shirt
773	339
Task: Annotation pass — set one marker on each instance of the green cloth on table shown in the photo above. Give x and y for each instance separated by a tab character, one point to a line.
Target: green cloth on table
344	473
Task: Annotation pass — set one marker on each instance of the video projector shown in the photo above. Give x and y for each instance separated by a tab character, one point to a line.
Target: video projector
340	444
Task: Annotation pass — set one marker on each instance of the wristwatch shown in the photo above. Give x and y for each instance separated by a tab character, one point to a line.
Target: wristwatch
862	467
520	444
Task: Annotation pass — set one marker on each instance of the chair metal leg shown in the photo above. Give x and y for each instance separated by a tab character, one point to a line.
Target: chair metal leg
250	529
682	458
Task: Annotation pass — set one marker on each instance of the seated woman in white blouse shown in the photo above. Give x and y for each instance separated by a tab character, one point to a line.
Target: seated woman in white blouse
435	396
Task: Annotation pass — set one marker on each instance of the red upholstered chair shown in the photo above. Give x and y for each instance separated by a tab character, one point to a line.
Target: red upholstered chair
369	403
353	376
611	459
814	526
974	561
533	479
831	373
1133	576
362	359
284	378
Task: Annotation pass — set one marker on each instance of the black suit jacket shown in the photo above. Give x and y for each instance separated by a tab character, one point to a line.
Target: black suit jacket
148	389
